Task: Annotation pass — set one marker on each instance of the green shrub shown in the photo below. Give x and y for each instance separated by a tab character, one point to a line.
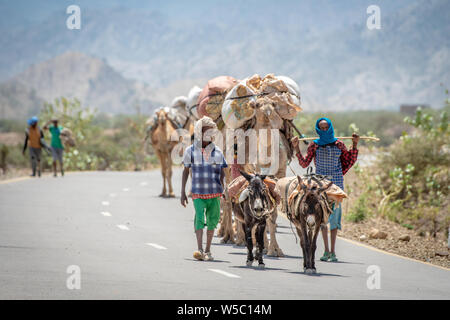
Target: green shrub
360	211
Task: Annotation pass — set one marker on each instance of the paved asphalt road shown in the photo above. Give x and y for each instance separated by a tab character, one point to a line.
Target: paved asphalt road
48	224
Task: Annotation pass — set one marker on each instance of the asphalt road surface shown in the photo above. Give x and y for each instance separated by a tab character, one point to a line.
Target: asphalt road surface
110	233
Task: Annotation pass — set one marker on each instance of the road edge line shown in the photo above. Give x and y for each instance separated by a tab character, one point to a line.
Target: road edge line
379	250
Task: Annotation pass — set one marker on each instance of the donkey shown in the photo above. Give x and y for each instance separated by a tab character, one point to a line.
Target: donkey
310	211
253	208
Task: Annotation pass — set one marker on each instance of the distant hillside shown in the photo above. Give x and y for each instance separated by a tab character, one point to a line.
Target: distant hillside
324	45
73	74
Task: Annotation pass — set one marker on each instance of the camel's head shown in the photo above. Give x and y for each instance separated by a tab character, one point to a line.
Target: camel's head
311	206
162	116
257	195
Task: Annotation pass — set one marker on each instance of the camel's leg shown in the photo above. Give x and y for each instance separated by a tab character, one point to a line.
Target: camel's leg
163	171
221	229
227	224
274	249
240	234
169	174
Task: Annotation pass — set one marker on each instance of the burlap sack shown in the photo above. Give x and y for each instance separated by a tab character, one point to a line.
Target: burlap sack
67	137
240	183
288	189
212	96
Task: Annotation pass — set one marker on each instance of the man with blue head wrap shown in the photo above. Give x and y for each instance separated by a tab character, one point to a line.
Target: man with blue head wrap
331	158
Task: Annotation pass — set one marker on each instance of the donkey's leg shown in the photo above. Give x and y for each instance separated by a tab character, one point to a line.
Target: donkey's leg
309	245
260	230
274	248
314	247
248	237
302	244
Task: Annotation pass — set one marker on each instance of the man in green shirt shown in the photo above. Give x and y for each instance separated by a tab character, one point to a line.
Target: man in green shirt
56	144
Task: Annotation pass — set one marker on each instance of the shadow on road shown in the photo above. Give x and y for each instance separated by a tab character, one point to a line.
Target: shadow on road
256	268
213	261
319	274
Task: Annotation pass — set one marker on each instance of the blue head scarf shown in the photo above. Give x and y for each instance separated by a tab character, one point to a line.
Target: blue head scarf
32	121
325	137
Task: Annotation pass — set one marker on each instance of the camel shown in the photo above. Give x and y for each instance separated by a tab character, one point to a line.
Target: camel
160	140
236	235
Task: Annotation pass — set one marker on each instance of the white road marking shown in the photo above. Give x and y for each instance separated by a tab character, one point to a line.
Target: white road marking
144	183
105	203
227	274
123	227
157	246
126	189
106	214
112	195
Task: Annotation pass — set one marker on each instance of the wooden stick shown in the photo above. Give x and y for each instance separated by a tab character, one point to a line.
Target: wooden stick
364	138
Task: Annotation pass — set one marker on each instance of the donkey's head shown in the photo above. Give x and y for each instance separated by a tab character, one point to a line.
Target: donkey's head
311	207
256	194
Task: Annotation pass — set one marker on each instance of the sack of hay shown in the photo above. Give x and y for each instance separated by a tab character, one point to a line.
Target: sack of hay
67	137
239	105
191	103
212	96
334	193
177	111
280	91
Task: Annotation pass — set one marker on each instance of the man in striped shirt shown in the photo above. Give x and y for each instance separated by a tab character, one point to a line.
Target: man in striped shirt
207	163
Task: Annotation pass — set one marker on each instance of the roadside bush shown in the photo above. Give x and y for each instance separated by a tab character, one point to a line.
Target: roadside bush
410	183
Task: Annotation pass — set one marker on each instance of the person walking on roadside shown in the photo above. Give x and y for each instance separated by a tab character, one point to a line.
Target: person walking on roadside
34	137
331	158
56	144
207	163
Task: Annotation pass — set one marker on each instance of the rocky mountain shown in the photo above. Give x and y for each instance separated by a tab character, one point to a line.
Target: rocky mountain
324	45
71	75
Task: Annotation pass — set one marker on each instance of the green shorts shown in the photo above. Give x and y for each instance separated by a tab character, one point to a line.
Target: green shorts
209	208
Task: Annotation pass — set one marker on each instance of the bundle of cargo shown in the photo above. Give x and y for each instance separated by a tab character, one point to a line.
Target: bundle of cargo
282	92
239	105
191	104
177	111
289	188
239	183
212	96
67	137
278	98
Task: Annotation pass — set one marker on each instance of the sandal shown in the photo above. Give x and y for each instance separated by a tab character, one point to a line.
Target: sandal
333	257
199	255
325	257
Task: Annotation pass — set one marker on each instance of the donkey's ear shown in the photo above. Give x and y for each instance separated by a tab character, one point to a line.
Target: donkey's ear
246	175
326	187
301	183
